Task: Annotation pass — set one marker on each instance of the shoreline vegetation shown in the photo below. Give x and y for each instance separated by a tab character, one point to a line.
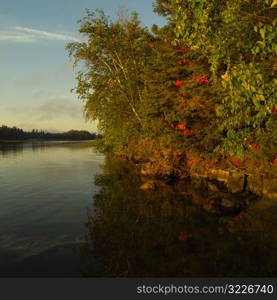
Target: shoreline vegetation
196	97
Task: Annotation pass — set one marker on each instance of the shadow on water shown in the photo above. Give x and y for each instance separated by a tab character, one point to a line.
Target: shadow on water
177	230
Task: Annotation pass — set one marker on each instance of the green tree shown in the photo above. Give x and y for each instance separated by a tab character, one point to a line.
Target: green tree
238	41
113	54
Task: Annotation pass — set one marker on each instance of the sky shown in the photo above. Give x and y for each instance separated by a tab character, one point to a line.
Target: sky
36	74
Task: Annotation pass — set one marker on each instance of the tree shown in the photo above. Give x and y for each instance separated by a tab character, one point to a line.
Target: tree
179	106
111	86
201	85
238	41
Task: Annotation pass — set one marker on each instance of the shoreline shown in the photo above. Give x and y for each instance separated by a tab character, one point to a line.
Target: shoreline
234	180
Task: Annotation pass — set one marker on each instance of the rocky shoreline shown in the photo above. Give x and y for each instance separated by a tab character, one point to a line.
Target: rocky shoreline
234	181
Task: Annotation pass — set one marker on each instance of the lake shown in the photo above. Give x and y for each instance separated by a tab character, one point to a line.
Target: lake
46	189
67	211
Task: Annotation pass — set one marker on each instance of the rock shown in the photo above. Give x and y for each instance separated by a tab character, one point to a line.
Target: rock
270	188
219	175
255	184
212	187
230	208
147	170
227	203
149	185
198	172
198	183
263	186
209	207
272	196
235	182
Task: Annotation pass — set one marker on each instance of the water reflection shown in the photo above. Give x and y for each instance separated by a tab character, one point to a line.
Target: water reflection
11	149
45	191
180	230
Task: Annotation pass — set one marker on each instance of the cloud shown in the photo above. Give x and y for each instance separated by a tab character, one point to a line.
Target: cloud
60	106
53	108
49	113
8	37
46	34
20	34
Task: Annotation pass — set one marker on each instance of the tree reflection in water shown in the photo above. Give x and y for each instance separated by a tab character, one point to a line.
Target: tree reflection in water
173	232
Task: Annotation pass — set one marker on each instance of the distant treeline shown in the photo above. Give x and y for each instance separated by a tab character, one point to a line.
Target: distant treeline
14	133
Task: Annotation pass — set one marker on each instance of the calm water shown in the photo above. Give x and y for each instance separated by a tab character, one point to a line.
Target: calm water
46	189
190	228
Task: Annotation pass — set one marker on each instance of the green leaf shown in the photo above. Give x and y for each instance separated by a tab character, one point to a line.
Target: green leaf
262	33
261	44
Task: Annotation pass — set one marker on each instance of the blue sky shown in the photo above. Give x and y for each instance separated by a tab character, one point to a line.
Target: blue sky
35	72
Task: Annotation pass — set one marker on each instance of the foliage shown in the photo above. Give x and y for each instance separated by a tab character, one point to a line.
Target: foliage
238	41
130	85
202	85
111	84
179	106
